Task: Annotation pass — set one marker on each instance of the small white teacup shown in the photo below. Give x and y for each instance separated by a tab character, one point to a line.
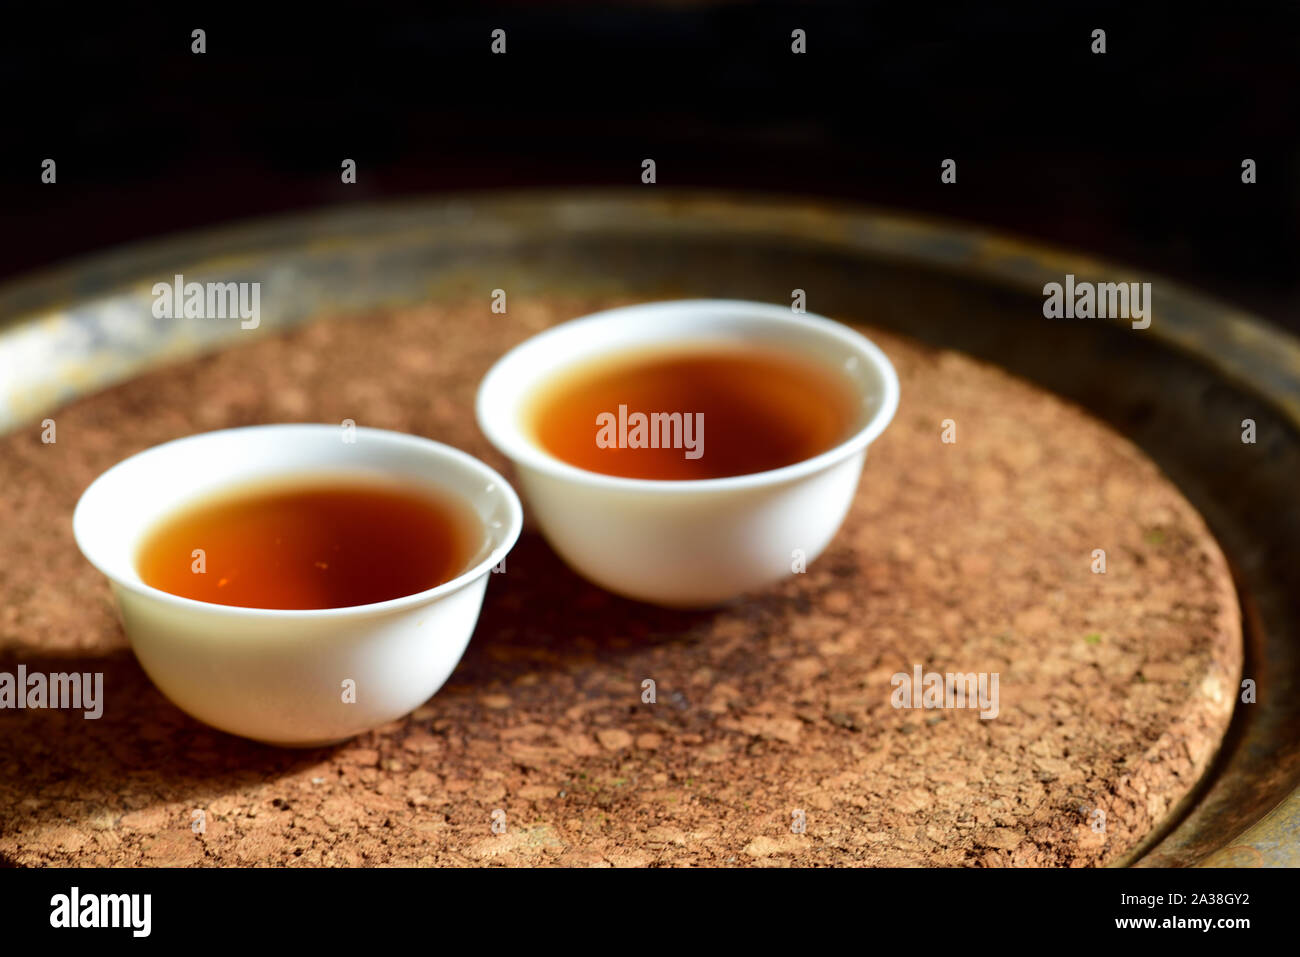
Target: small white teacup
282	676
697	542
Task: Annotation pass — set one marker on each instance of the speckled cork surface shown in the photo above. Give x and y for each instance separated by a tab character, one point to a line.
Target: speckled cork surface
973	556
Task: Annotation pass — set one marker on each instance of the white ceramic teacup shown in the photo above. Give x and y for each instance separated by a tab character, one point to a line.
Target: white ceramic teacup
277	675
698	542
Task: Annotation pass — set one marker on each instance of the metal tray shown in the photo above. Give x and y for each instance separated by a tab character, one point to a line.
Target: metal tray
1180	388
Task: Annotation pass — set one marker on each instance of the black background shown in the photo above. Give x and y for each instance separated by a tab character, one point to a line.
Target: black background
1134	155
747	911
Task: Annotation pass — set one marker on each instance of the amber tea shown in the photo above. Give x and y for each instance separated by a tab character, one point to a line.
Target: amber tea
697	412
310	544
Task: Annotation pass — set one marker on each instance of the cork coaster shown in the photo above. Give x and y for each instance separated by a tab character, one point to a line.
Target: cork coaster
772	739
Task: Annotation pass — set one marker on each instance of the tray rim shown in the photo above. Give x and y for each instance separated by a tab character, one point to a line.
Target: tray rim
1236	343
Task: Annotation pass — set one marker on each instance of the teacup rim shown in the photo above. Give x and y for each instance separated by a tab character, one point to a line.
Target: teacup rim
510	440
511	535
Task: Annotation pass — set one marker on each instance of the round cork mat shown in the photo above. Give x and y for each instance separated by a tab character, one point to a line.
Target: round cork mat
772	739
